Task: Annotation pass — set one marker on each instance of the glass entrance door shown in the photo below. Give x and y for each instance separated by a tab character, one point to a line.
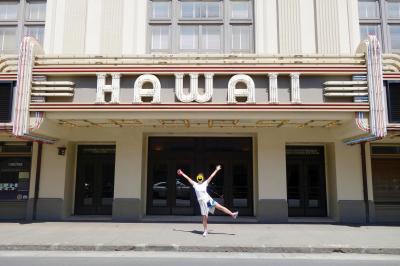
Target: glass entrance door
170	194
306	192
232	185
95	180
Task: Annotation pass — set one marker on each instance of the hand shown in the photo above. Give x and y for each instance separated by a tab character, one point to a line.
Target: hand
219	167
179	172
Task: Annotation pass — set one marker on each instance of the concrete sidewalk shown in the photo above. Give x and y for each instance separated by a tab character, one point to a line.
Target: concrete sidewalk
282	238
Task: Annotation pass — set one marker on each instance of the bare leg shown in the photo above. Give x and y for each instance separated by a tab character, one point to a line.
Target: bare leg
224	209
205	218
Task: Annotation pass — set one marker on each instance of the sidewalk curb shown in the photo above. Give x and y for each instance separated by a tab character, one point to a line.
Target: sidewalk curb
177	248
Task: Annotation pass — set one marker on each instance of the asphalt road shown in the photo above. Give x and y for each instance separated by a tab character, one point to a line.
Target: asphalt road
47	258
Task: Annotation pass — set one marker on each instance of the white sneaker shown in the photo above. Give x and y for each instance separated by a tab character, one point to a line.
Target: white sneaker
205	233
235	215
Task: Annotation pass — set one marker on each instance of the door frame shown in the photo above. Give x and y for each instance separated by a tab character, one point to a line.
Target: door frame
253	165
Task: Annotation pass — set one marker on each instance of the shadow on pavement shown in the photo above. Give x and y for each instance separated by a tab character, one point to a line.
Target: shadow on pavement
198	232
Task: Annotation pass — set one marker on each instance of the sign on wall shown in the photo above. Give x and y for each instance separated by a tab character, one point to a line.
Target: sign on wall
14	178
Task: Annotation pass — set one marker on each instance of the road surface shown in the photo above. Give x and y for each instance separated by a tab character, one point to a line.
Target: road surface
49	258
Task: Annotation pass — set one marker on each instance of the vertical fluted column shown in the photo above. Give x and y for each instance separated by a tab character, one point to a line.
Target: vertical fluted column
273	88
295	87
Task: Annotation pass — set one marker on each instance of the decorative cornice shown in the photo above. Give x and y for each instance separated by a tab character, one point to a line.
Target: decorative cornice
221	69
391	62
338	107
47	64
200	63
8	64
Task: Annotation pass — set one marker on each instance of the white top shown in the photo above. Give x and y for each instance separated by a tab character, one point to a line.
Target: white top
201	191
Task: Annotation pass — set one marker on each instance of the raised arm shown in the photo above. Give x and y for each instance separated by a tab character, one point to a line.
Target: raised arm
213	174
181	173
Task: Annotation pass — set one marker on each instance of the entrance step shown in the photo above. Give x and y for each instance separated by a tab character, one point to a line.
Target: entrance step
196	219
89	218
312	220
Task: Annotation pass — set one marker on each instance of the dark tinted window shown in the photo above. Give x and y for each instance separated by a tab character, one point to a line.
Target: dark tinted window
5	102
384	150
16	147
14	178
393	94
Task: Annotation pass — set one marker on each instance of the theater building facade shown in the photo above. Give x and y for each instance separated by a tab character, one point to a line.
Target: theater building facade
102	105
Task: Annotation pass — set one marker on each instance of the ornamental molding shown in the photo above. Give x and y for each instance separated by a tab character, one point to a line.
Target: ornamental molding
295	88
377	127
391	62
203	59
21	115
273	88
8	63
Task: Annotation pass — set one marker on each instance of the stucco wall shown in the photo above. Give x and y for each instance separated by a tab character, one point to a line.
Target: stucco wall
344	178
53	169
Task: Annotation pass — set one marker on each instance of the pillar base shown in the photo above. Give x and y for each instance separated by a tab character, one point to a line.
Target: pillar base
50	209
12	210
272	211
126	209
29	210
351	211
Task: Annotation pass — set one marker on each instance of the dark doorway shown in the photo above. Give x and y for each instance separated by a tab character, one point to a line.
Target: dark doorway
169	194
305	170
95	180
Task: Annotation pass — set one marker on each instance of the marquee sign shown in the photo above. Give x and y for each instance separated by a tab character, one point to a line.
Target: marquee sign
26	118
193	94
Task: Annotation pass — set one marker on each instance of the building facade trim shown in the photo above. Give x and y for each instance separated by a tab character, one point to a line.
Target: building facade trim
357	107
225	69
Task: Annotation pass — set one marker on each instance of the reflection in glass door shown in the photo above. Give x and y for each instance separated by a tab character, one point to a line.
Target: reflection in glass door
306	192
169	194
95	180
240	193
183	203
231	187
159	186
217	189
